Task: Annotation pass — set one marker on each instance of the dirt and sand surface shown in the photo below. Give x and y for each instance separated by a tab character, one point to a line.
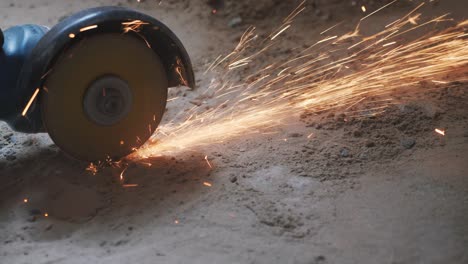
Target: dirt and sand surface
383	189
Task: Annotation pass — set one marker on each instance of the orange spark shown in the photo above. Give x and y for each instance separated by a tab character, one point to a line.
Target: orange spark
330	28
33	97
295	12
313	80
122	174
363	8
25	200
281	31
440	131
88	28
71	35
378	10
439	82
46	215
389	44
134	26
207	184
208	162
147	164
92	168
130	185
172	99
178	69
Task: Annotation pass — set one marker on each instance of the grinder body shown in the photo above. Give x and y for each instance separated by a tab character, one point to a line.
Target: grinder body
17	44
96	82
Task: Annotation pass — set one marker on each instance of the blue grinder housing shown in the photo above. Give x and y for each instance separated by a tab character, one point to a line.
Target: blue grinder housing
17	45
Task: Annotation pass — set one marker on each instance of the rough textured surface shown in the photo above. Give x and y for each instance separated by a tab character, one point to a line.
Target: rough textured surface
386	189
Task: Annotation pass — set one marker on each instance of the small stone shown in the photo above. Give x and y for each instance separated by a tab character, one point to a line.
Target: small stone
11	138
49	227
357	133
295	135
364	156
233	178
408	143
28	142
196	102
370	144
235	21
121	242
344	152
320	259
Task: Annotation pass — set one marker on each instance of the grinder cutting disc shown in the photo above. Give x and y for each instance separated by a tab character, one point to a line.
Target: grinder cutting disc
104	97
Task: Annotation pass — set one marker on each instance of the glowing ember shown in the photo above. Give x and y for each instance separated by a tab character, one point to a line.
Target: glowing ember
88	28
92	168
147	164
121	177
134	26
176	222
207	184
439	82
388	44
130	185
25	200
208	162
372	67
170	100
46	215
281	31
363	8
33	97
440	132
71	35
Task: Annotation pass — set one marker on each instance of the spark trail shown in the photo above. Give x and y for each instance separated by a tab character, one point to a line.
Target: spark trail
379	65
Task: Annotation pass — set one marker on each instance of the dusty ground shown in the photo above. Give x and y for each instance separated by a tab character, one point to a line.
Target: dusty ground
375	190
